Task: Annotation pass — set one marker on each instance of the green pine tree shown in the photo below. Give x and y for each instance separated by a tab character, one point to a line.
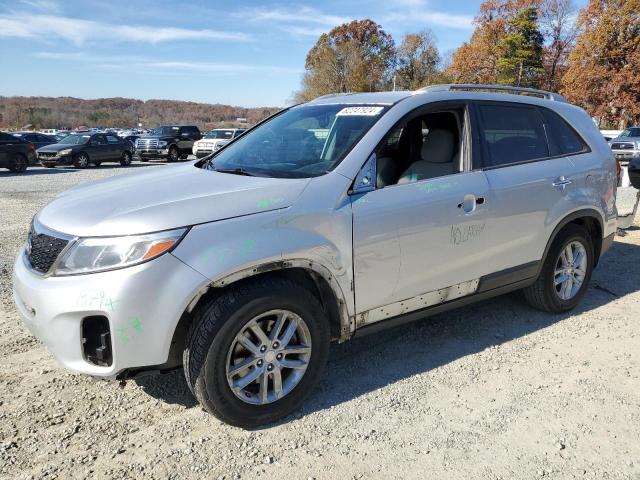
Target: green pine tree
520	61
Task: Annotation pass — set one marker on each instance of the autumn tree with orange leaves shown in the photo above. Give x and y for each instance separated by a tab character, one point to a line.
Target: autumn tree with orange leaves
353	57
604	67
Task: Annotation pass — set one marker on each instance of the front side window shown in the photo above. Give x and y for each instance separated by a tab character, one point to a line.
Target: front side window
427	146
304	141
512	134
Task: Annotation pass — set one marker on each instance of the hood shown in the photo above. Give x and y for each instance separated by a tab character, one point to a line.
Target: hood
161	198
56	147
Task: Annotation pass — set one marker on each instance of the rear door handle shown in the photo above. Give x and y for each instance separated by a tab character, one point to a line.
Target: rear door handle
562	182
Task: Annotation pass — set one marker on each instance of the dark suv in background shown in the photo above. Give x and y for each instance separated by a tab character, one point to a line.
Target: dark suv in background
37	139
80	150
15	153
172	142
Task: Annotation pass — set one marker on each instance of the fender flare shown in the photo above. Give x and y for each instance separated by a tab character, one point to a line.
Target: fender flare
347	323
584	212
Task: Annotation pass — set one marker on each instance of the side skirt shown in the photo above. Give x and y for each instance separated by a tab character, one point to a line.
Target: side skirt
489	286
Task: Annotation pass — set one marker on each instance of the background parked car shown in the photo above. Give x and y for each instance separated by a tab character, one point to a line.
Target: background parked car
168	141
36	139
84	149
215	140
15	153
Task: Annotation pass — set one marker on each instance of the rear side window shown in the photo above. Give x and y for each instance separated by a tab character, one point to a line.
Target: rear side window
112	139
511	134
563	140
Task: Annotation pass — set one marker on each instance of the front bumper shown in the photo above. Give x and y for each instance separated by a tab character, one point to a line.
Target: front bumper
152	152
57	160
625	155
142	305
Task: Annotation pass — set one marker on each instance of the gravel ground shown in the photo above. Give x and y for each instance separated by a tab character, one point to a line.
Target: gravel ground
491	391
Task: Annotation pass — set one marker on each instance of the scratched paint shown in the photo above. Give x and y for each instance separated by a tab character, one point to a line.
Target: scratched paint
466	233
430	187
130	331
96	299
269	202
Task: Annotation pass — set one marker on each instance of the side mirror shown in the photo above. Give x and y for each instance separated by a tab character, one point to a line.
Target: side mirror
366	179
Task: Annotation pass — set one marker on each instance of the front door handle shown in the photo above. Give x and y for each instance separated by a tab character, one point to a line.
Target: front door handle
562	182
470	203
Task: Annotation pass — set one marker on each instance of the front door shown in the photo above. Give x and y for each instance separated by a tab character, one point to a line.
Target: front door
419	238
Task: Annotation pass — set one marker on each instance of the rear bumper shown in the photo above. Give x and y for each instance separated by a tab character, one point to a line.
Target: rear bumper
606	243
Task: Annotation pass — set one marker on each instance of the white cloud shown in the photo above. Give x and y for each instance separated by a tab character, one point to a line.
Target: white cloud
291	15
155	65
80	31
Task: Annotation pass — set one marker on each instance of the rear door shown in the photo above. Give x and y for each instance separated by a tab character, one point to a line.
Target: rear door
529	184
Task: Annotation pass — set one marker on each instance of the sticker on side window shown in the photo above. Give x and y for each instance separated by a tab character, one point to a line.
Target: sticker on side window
360	111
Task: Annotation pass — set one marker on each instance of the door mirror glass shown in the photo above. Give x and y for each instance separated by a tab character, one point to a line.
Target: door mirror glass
366	179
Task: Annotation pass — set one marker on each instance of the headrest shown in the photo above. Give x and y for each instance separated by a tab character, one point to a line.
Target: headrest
438	147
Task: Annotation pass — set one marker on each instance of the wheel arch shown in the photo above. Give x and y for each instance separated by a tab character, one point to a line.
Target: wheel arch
589	218
315	277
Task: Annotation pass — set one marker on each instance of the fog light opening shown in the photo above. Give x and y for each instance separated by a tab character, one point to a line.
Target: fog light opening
96	341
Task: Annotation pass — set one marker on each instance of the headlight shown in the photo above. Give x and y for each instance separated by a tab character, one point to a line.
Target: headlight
162	143
97	254
66	151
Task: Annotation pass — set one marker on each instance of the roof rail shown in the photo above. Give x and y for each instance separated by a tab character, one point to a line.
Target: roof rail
470	87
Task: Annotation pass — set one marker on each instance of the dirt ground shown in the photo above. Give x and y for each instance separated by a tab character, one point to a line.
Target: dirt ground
492	391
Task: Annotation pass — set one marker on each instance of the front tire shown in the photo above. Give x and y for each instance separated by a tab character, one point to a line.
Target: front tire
125	161
19	164
255	353
565	273
174	155
81	160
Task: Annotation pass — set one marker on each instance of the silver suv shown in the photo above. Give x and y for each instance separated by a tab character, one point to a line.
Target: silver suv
334	218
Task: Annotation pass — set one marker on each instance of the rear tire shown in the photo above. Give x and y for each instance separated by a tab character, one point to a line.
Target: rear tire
19	164
81	160
125	161
550	293
213	347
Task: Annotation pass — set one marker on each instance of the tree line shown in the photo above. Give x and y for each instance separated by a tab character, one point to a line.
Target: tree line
591	56
68	112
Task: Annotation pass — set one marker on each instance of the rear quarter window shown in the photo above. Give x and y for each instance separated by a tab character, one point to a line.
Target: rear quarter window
563	140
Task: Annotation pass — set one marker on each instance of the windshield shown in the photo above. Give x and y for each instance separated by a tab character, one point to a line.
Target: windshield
75	139
219	134
304	141
162	131
631	132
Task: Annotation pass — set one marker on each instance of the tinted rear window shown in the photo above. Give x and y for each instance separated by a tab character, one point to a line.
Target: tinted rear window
563	140
512	134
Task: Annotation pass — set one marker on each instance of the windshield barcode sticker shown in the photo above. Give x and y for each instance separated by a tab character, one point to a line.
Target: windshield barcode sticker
361	111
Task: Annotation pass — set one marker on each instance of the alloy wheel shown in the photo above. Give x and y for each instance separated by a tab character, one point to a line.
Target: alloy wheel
570	270
268	357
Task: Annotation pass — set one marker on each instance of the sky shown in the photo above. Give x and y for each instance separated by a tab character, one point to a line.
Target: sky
239	53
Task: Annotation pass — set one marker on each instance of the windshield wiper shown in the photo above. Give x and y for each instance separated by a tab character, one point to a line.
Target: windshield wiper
235	171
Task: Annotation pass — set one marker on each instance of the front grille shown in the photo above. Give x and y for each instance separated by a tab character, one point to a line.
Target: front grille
44	250
47	154
146	143
622	146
